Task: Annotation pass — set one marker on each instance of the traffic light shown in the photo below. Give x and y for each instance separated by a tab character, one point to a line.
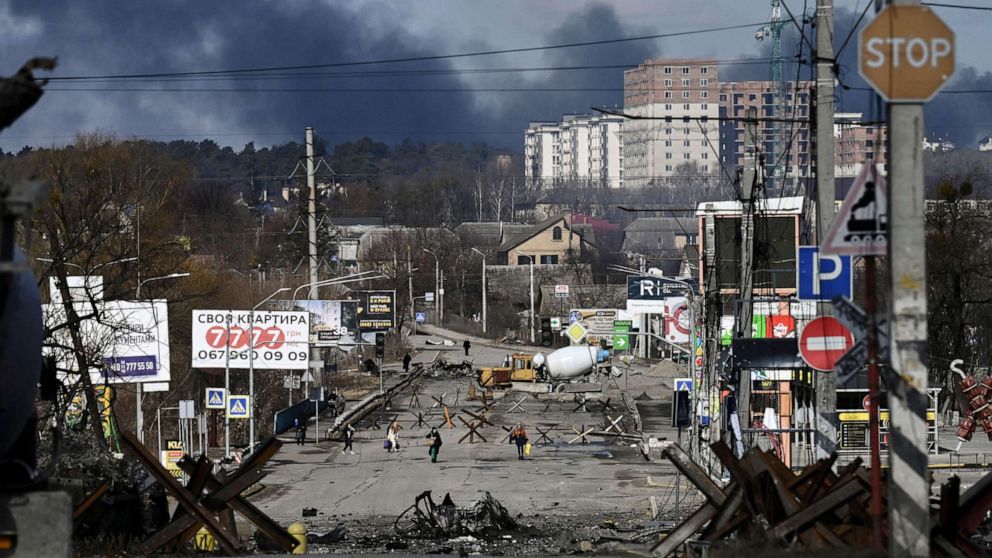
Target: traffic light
380	345
547	338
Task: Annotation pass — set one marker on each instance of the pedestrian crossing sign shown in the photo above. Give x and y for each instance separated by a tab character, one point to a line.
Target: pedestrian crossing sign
238	406
215	398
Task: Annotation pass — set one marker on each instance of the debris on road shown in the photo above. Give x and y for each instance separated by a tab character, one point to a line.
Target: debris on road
442	369
443	342
425	517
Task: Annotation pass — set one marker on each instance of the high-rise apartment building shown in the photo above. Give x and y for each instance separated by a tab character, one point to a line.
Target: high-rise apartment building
785	139
680	100
856	144
579	148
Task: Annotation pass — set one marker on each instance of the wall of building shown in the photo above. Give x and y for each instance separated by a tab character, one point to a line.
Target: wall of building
582	148
545	248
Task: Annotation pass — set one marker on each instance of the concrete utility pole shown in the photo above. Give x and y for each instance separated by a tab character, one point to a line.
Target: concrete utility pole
909	491
712	309
409	286
479	252
749	190
826	390
311	245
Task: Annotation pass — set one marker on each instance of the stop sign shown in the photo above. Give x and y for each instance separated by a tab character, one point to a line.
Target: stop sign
823	342
906	53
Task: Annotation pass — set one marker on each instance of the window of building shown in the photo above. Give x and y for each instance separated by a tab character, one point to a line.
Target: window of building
752	97
704	82
668	94
685	106
705	106
668	143
704	94
685	131
556	233
668	168
668	155
704	70
685	70
685	83
523	260
705	155
706	168
685	94
668	107
685	156
685	143
549	260
723	97
668	130
668	69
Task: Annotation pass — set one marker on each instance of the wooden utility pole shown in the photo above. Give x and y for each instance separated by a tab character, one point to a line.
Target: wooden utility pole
826	389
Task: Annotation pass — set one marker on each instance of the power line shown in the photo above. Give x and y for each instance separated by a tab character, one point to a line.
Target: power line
402	73
415	58
958	6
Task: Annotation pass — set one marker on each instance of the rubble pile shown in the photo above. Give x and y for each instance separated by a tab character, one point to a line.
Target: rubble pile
767	505
425	517
443	369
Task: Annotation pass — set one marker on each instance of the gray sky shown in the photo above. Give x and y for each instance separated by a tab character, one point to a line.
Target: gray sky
97	37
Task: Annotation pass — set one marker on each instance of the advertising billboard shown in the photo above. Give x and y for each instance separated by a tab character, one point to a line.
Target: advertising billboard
130	337
376	310
647	294
332	322
280	339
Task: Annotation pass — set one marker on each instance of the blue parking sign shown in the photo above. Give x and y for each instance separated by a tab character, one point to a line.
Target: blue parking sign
823	277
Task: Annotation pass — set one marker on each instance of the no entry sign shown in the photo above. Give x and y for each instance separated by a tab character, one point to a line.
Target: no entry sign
823	342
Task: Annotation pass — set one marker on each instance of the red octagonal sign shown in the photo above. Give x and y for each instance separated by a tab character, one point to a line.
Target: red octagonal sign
823	342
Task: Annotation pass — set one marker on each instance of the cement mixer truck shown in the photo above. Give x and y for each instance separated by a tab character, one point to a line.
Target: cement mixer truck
562	366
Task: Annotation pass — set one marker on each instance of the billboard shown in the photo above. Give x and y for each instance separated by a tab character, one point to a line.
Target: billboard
332	322
220	338
130	337
376	310
677	322
647	294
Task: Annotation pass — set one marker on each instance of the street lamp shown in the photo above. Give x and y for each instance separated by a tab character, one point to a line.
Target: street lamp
531	294
438	286
338	280
251	369
477	251
139	417
137	292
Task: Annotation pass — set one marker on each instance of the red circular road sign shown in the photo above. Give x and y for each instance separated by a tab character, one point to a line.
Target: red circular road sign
823	342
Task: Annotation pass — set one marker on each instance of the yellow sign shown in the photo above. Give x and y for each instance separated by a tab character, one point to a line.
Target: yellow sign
575	332
862	416
170	457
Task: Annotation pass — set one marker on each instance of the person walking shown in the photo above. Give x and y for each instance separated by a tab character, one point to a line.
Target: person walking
435	444
519	437
301	432
396	435
406	362
467	346
349	438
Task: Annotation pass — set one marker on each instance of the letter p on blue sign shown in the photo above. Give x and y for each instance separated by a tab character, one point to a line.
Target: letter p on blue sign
823	277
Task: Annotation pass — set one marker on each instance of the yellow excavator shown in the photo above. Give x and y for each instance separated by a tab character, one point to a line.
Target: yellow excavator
519	369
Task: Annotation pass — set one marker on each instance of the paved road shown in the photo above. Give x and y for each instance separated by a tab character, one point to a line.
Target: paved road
562	478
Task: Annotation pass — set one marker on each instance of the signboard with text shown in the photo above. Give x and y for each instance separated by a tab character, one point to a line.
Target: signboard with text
332	322
376	310
131	337
647	294
221	337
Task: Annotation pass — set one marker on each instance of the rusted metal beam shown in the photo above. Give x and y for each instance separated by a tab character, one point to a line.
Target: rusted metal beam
228	541
818	508
85	505
975	504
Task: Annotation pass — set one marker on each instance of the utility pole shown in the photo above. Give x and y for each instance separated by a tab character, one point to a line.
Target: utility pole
409	286
826	389
749	189
712	310
909	490
311	245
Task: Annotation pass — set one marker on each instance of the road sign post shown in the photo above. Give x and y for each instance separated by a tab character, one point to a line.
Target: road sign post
907	54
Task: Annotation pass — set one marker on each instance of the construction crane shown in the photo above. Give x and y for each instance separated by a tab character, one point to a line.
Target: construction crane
773	31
